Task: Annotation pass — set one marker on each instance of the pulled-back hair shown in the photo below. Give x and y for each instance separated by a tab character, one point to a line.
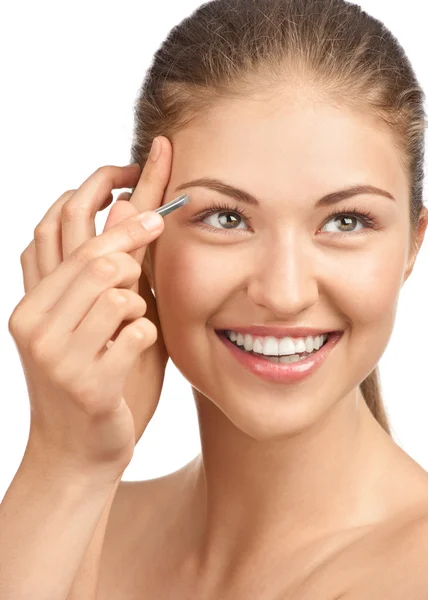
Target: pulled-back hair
231	48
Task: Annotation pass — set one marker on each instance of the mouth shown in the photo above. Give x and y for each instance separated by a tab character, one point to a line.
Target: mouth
284	358
287	368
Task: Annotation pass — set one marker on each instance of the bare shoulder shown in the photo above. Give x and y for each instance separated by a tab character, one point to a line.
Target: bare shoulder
396	562
387	562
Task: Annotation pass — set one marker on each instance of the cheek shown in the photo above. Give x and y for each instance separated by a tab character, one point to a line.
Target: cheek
369	284
367	293
190	286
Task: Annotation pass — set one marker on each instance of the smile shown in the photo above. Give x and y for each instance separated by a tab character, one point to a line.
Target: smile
295	366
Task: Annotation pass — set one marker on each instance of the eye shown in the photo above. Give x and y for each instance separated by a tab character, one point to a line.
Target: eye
222	217
349	219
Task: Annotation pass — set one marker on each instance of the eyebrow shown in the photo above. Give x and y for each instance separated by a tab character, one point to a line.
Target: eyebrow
242	196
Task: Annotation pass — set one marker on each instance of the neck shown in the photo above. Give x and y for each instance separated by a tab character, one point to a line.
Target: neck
252	496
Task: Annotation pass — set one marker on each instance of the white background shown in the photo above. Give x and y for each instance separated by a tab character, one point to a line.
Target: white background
70	75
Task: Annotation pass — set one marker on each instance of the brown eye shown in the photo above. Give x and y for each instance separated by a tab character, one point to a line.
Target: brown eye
220	217
344	223
227	220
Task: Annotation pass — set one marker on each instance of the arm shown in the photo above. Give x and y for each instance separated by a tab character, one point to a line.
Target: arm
85	582
47	521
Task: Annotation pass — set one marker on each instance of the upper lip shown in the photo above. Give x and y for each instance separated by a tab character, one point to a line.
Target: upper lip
280	332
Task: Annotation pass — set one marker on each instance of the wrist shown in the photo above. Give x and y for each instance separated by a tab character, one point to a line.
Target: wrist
53	469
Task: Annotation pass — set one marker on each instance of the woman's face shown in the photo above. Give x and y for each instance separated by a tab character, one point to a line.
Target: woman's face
293	265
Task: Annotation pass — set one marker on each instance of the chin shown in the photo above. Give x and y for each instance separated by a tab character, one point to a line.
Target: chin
262	419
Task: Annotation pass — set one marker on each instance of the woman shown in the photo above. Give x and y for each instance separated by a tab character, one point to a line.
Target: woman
299	124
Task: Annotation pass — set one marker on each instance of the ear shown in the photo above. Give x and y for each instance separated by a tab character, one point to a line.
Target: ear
422	225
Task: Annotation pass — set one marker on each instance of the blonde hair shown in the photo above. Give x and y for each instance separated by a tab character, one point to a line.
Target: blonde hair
232	48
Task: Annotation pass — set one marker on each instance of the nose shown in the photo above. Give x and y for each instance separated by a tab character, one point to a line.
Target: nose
284	278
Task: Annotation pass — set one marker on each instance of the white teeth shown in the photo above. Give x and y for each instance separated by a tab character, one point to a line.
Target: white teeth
258	346
310	344
248	342
300	346
271	346
286	346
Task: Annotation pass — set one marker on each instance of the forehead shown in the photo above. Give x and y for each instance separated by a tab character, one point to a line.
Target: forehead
290	143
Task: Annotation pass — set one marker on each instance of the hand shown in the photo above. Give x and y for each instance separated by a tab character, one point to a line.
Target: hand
91	403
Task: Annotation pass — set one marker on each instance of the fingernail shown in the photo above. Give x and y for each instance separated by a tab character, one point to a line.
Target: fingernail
151	221
156	149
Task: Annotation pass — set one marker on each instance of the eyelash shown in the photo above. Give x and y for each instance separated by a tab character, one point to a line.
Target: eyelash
364	215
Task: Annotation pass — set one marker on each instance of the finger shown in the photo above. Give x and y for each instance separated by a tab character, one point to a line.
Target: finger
47	237
149	194
142	286
113	309
127	236
119	358
30	271
121	210
150	189
92	297
78	213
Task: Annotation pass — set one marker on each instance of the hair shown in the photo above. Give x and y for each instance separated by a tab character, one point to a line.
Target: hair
233	48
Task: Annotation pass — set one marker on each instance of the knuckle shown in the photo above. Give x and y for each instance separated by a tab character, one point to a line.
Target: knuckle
150	330
138	302
83	254
134	231
39	349
104	171
26	253
103	267
17	324
154	330
116	297
14	324
71	209
141	303
133	267
42	232
67	194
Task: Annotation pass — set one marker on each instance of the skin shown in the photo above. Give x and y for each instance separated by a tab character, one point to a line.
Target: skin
260	489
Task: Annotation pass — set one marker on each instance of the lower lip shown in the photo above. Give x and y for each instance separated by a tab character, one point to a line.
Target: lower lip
282	372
